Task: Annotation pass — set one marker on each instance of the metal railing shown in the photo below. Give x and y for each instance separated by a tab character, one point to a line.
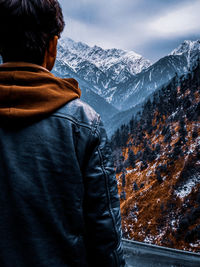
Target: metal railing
139	254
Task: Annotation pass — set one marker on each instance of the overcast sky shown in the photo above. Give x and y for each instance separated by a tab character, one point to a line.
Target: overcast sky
152	28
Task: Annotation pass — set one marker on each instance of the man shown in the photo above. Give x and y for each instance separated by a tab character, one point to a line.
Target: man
59	203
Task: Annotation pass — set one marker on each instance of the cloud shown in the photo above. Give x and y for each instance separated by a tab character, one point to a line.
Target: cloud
91	34
184	20
131	24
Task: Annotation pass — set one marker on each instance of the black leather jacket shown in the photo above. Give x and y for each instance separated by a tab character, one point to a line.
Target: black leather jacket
59	203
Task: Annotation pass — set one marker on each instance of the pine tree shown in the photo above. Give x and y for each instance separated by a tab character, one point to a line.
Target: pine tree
135	186
123	179
182	130
131	158
123	195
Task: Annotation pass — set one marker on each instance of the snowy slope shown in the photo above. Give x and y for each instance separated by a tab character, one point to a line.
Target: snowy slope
189	49
102	59
124	78
138	88
103	69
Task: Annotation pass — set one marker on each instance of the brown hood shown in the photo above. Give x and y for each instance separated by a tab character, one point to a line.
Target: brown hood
29	91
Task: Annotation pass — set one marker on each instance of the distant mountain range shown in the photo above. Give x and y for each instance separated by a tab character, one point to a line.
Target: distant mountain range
103	69
121	80
143	84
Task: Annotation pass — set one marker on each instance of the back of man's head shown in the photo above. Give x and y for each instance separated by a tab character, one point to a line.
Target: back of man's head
26	27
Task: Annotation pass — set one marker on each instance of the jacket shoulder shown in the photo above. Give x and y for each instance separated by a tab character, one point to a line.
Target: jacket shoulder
80	112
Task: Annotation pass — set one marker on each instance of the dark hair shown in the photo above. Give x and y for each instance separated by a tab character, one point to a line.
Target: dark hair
26	27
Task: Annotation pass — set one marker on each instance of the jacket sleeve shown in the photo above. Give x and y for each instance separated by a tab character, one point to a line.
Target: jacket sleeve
101	204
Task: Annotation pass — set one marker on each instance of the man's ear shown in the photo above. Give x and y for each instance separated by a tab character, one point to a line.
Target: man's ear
53	46
50	53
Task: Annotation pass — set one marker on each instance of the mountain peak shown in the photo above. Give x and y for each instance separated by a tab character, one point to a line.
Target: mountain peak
186	47
103	59
103	68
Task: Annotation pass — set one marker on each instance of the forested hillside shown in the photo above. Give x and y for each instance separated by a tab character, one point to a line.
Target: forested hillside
157	158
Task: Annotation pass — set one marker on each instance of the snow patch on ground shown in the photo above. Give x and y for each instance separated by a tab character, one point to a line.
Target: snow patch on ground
196	245
178	174
173	223
185	189
130	171
149	173
149	239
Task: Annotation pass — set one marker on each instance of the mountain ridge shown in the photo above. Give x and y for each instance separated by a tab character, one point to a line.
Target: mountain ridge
103	69
124	78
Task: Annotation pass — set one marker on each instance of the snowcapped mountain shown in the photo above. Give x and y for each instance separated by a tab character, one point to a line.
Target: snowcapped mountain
187	48
139	87
123	78
105	70
102	59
